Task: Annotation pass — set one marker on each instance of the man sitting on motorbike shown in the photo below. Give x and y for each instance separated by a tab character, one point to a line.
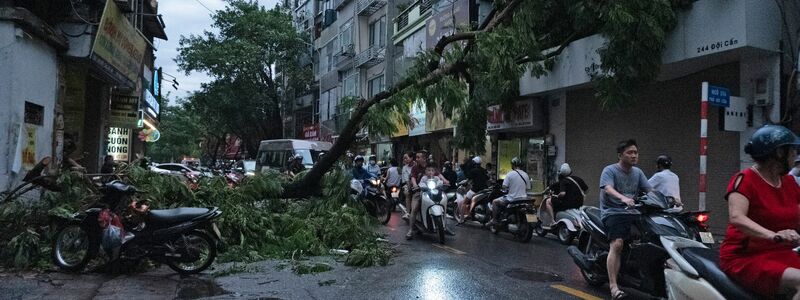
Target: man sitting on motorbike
359	172
417	173
619	184
373	167
480	181
392	175
569	192
666	182
764	215
517	182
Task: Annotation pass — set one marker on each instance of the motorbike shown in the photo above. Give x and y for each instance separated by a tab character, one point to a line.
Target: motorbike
692	272
398	198
642	258
566	224
369	192
186	239
454	196
697	221
433	205
518	218
482	212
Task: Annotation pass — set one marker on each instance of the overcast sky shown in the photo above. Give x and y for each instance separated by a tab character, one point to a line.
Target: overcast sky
184	18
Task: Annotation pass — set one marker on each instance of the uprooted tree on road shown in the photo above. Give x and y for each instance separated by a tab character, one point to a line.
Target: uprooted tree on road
474	68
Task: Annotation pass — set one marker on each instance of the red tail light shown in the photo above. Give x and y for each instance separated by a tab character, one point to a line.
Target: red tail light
702	218
394	189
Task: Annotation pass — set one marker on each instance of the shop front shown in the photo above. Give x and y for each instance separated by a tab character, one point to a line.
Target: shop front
520	133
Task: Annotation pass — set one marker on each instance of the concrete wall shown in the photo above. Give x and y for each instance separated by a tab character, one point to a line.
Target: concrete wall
29	74
665	118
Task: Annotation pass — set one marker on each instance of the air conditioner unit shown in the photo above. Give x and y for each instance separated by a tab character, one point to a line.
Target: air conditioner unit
348	50
762	92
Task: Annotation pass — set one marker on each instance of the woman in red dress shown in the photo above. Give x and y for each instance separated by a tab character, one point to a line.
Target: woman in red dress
764	207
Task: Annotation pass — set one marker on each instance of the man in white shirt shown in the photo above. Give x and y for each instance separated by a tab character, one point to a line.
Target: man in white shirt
666	182
517	183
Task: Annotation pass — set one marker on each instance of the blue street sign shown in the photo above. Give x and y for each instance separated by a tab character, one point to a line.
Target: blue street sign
719	96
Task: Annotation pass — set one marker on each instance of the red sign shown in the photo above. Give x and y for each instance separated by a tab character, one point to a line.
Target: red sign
311	132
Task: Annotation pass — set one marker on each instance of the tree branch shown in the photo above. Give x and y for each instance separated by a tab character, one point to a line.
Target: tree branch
572	37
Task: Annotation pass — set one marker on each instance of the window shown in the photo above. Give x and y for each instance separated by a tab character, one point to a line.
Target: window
376	85
346	33
377	33
350	85
34	113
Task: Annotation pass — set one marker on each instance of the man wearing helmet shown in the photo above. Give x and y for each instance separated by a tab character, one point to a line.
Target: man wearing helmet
373	167
517	182
296	165
479	181
359	173
665	181
417	172
764	213
569	190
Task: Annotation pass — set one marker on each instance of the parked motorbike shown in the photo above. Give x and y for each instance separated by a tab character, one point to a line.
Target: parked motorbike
566	224
642	258
369	192
518	218
185	239
692	272
431	215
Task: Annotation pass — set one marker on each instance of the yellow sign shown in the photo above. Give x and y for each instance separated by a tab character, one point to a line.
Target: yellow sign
400	128
118	47
29	152
506	150
436	121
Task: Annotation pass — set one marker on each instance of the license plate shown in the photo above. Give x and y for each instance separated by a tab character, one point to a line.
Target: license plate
706	237
216	230
395	194
531	218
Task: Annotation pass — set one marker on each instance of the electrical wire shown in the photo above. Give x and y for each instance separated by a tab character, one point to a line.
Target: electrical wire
79	16
208	9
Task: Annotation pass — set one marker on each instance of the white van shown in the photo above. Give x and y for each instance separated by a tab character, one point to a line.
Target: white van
275	154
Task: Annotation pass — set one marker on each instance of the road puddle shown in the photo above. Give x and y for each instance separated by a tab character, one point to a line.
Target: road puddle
194	288
536	276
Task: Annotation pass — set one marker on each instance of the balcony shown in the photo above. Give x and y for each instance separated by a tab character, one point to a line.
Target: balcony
411	19
339	4
369	7
370	57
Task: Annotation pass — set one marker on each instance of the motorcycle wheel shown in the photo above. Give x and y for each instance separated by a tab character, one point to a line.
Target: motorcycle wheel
564	235
439	223
72	248
524	231
539	229
193	243
592	279
383	211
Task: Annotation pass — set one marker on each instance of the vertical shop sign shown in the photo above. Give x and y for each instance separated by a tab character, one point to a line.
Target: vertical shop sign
119	143
29	151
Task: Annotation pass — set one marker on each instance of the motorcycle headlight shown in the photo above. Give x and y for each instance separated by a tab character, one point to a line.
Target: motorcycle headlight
431	184
374	182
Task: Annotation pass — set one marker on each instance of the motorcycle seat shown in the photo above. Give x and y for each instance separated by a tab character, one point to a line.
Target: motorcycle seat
117	186
176	215
594	216
706	262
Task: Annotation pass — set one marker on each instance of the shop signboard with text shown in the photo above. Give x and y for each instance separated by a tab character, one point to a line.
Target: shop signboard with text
119	143
311	132
151	103
118	48
524	115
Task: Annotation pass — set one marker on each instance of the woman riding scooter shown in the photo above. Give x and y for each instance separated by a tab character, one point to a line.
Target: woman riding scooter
764	215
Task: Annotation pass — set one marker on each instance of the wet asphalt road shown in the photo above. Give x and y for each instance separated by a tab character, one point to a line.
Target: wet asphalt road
474	264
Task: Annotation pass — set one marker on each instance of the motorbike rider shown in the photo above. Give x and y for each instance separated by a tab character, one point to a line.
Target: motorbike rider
373	168
480	181
359	172
517	182
408	164
764	215
665	181
417	172
569	190
449	173
619	184
392	175
296	165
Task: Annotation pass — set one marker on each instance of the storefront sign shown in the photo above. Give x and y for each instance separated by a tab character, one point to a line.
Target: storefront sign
123	111
400	128
29	152
523	115
736	115
436	121
118	47
119	143
152	104
311	132
417	125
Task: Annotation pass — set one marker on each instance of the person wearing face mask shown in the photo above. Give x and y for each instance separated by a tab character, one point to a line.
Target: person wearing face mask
764	210
373	168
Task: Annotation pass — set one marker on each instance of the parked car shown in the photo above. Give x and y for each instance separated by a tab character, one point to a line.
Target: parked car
246	167
275	154
174	169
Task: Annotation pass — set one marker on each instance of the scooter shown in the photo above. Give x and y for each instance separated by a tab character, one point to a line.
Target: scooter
454	197
398	199
482	212
566	225
692	272
370	194
642	258
431	215
518	218
185	238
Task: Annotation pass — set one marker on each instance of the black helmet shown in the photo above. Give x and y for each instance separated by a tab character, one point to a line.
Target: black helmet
768	138
516	162
358	157
448	164
664	161
373	157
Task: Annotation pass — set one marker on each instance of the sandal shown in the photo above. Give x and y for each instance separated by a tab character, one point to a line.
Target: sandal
620	294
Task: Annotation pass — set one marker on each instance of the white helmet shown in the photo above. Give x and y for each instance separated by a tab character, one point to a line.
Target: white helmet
476	159
564	170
